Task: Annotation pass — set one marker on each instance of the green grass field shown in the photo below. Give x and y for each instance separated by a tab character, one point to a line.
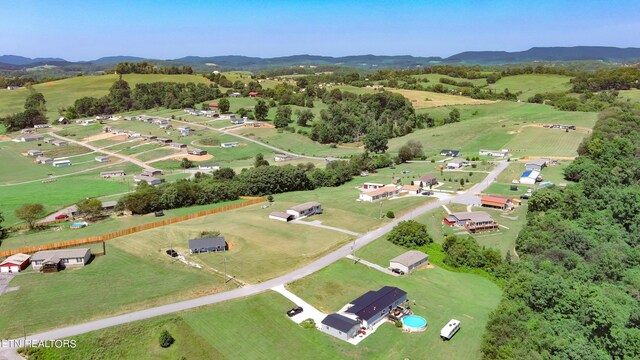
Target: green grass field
435	79
532	84
503	125
63	232
257	327
62	93
440	295
117	283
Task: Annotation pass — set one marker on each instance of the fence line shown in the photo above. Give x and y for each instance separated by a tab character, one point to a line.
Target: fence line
132	230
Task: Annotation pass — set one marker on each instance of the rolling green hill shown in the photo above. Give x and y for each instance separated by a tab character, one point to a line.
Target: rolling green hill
532	84
62	93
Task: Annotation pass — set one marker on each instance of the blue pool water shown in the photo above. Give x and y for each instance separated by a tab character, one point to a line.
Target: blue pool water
414	321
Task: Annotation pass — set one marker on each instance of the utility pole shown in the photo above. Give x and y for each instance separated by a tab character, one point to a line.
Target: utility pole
224	259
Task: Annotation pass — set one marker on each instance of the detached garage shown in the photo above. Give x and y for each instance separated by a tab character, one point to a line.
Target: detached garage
14	263
409	261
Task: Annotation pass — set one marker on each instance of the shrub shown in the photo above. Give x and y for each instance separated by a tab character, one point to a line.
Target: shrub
391	214
270	198
308	324
409	234
210	233
398	323
166	339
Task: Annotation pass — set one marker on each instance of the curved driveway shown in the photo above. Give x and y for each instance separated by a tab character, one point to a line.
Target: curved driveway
264	286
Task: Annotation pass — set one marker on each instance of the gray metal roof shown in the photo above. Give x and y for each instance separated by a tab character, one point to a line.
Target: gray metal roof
217	241
339	322
305	206
475	216
62	254
280	214
371	303
410	257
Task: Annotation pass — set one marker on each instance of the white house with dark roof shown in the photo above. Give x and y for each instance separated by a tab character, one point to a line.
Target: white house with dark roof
340	326
375	306
34	153
204	245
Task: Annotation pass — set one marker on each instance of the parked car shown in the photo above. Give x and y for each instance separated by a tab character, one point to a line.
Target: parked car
61	217
427	193
405	171
172	253
525	196
159	213
397	271
295	311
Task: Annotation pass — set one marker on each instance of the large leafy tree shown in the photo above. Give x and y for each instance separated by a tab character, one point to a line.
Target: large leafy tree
409	234
261	110
90	208
30	213
224	105
283	117
376	140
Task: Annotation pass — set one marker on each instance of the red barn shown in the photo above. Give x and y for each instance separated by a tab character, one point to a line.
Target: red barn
14	263
213	105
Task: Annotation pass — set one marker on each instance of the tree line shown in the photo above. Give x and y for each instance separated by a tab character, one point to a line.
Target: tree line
263	179
575	293
35	112
144	67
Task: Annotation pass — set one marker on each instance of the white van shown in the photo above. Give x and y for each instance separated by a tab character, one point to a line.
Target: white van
450	329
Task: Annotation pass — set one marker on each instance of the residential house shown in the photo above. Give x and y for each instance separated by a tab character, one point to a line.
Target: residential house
235	95
27	138
426	181
59	143
230	144
237	121
409	261
283	157
282	216
112	173
102	159
306	209
166	127
34	153
160	121
452	153
210	167
375	306
178	145
63	121
495	153
148	179
12	87
371	186
474	222
340	326
60	163
254	94
151	172
41	126
457	163
163	140
529	177
496	201
54	260
14	263
44	160
196	152
108	206
536	164
204	245
85	122
149	137
380	194
411	189
48	140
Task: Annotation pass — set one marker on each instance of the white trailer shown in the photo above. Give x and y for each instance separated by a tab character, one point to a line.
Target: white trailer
450	329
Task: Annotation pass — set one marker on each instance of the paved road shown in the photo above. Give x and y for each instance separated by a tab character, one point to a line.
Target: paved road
110	153
281	151
264	286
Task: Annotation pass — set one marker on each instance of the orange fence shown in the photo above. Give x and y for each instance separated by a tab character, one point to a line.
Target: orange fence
135	229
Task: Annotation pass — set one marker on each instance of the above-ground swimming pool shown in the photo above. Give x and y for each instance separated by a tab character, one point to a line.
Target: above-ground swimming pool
414	323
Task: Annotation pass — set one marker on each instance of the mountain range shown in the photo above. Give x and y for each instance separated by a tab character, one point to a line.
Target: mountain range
543	54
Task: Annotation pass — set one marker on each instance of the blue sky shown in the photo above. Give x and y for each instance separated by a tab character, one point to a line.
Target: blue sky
85	30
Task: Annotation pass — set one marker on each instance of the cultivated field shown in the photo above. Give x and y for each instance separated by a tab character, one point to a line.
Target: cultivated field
532	84
427	99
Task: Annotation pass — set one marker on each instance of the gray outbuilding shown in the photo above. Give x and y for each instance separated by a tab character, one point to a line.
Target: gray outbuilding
409	261
340	326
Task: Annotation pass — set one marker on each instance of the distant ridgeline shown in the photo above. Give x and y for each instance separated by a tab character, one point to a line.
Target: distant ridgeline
575	292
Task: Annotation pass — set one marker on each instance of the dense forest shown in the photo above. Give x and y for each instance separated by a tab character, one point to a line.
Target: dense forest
575	293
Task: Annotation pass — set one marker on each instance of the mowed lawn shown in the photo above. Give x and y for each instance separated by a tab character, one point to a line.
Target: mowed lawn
297	143
259	248
258	328
62	93
116	283
54	195
427	99
440	295
504	125
63	231
532	84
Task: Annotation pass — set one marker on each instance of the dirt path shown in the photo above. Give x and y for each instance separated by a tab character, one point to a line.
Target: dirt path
581	129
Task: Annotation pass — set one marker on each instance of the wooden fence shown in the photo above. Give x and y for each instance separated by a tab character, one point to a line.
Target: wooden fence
135	229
